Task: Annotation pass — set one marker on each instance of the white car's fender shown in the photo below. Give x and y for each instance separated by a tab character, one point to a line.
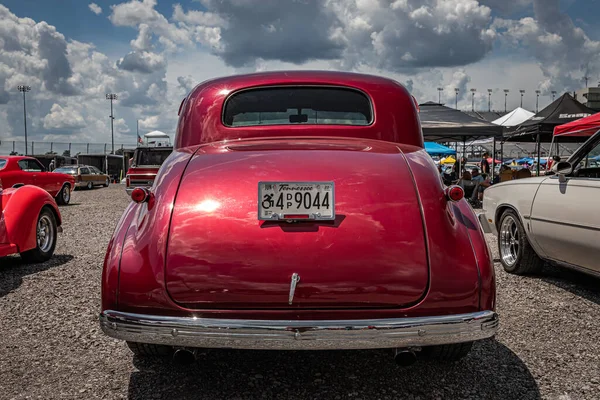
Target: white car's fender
517	195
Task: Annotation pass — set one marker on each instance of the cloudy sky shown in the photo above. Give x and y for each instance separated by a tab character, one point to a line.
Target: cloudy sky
152	52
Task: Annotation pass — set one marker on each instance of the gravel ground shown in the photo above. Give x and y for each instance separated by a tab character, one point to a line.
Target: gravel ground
51	345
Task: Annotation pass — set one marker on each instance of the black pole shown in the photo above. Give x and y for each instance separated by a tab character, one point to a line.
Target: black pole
505	96
538	154
112	132
494	159
456	102
25	121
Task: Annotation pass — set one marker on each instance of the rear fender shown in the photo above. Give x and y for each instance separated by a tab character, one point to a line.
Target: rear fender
455	274
20	209
135	256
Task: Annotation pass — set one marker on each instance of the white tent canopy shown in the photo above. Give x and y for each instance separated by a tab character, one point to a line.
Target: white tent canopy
514	118
156	135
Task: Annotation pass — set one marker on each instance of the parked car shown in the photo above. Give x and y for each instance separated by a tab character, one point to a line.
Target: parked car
86	176
145	165
299	210
16	171
29	223
549	218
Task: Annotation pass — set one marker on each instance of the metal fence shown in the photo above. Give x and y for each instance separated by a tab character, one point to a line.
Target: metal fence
8	147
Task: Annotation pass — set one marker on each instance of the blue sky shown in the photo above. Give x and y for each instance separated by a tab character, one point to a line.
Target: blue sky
151	52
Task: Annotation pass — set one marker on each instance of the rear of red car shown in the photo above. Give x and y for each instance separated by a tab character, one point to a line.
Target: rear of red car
322	231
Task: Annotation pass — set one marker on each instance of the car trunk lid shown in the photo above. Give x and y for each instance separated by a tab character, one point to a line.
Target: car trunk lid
373	254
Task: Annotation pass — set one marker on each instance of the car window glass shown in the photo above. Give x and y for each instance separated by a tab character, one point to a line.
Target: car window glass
298	106
152	157
30	166
96	170
84	171
592	159
2	163
66	170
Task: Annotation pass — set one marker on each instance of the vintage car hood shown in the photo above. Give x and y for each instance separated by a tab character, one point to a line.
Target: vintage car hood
219	255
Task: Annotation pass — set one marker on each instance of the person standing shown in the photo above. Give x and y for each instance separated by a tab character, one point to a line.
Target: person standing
51	166
485	164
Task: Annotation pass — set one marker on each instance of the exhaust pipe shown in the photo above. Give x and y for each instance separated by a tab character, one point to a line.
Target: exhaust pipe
184	356
405	357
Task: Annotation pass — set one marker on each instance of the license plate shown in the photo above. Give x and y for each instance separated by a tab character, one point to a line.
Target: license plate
296	201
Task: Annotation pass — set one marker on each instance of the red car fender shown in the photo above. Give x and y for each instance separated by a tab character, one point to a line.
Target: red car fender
458	255
21	208
135	260
485	261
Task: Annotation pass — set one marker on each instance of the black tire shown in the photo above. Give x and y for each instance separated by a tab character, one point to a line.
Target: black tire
447	352
106	183
43	250
64	196
150	350
518	258
90	185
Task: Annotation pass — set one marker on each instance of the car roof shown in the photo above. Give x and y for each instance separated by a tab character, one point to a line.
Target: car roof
395	117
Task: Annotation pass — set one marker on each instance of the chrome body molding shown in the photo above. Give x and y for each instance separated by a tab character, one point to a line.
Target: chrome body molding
299	335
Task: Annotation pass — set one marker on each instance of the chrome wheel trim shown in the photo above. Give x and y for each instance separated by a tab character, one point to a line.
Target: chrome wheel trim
66	194
45	233
509	241
90	185
107	182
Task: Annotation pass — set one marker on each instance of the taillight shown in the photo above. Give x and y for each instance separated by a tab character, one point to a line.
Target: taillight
455	193
78	178
127	181
140	195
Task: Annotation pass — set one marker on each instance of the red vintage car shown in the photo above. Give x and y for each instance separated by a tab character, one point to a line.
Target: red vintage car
16	171
145	165
299	210
29	223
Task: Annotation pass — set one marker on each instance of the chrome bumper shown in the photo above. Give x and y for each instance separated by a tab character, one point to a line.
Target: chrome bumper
485	225
299	335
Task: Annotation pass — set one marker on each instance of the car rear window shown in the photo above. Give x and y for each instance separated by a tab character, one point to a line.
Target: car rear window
152	156
298	106
2	163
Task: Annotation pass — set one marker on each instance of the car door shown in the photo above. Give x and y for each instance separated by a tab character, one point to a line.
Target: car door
565	216
86	175
99	177
30	172
44	179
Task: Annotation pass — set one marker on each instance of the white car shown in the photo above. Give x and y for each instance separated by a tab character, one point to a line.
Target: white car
553	218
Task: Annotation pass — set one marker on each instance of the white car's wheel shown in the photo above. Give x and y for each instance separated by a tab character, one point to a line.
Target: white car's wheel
516	254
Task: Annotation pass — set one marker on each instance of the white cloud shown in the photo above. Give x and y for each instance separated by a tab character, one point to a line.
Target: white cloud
95	8
63	118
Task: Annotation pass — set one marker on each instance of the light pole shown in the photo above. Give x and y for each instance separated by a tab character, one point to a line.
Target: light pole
553	95
456	91
24	89
111	97
537	101
440	90
586	79
490	99
522	93
473	99
505	97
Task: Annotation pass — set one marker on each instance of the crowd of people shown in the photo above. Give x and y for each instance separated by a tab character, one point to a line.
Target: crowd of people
475	180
